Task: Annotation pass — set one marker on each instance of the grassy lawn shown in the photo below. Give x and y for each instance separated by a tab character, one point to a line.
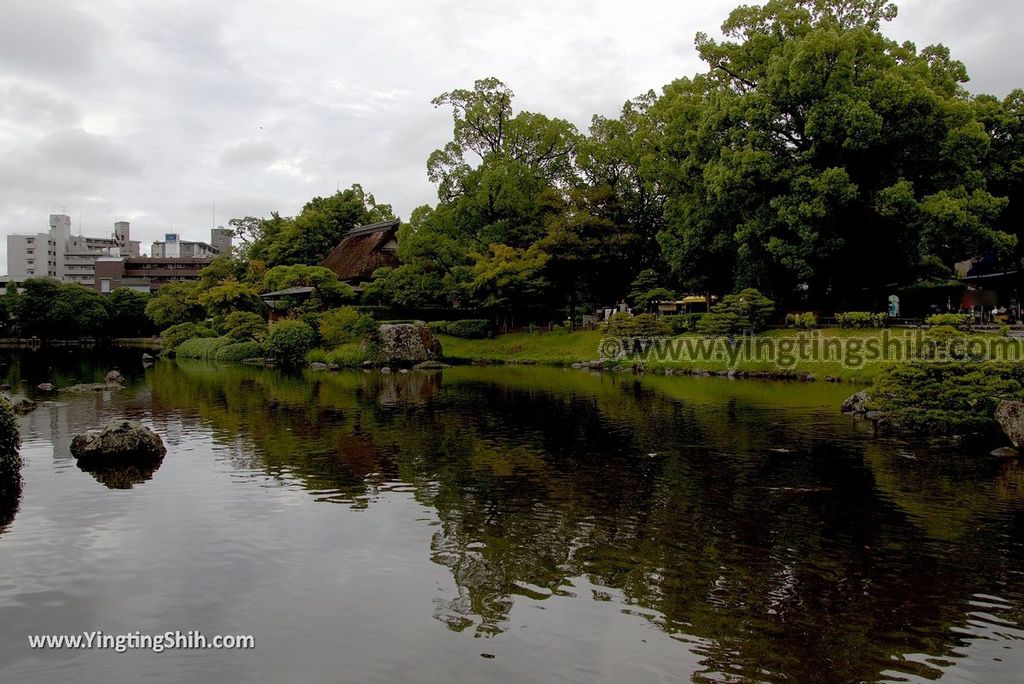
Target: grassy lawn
568	348
548	348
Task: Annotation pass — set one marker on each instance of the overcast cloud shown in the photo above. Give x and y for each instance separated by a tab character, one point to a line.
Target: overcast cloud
154	111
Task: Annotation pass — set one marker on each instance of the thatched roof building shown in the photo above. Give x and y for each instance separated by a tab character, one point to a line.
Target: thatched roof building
363	250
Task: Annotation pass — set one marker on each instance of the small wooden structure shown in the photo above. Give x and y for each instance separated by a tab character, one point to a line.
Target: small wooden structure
280	302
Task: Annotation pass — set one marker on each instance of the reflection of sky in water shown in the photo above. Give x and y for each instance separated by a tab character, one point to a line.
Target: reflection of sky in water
587	528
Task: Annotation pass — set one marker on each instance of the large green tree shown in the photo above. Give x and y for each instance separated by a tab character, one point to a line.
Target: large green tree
817	155
310	236
127	312
492	180
51	310
174	304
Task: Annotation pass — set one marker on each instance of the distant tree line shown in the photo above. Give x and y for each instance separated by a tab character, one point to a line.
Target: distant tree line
50	310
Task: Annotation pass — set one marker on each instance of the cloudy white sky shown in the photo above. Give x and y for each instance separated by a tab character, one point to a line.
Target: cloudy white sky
154	111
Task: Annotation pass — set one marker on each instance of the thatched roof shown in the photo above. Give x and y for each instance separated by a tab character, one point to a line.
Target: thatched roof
363	250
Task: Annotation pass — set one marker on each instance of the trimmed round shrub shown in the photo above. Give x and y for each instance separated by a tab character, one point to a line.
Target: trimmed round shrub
751	309
203	348
644	325
720	324
238	352
176	334
288	342
861	319
960	321
954	397
683	323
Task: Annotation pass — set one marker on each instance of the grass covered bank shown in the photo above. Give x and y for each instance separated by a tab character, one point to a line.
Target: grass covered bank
585	346
560	349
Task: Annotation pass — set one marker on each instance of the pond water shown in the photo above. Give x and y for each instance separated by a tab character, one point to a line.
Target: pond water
504	525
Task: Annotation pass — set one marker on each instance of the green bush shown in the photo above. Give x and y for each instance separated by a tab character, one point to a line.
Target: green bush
955	397
238	352
176	334
10	459
802	321
719	324
624	324
245	325
861	319
683	323
289	341
220	349
312	319
348	355
468	329
345	324
202	348
960	321
752	311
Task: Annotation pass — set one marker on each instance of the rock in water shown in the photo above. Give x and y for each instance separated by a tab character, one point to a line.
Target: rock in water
431	365
1006	452
113	377
86	388
45	387
405	344
858	403
22	405
1010	416
118	442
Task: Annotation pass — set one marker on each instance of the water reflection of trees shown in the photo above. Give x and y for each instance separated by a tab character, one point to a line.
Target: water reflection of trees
770	535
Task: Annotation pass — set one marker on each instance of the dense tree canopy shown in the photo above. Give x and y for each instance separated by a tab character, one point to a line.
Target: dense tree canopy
816	154
814	158
310	236
50	310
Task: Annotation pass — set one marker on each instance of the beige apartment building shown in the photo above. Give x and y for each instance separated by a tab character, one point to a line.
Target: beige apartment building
65	257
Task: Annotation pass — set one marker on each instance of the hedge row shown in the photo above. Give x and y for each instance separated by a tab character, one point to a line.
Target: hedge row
470	328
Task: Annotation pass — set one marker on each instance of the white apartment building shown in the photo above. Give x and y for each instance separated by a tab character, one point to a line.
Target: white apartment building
65	257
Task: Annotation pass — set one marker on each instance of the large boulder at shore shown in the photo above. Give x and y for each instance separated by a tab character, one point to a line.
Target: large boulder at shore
405	344
1010	416
857	404
119	442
